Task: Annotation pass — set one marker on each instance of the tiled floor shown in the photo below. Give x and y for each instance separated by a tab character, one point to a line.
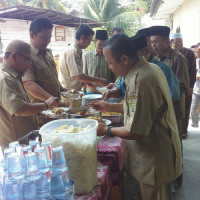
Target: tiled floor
190	189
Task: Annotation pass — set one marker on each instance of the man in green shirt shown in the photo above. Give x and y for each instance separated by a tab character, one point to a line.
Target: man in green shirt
94	63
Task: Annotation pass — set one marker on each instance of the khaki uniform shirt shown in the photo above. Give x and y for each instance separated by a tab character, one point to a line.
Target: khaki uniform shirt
148	111
179	65
71	65
189	55
43	72
95	65
13	96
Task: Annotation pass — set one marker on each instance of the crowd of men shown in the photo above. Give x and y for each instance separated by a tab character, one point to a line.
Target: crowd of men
154	75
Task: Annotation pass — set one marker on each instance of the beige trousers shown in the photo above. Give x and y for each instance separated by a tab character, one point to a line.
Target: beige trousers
162	192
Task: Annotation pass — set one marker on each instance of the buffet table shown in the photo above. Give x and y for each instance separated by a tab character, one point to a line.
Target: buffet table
111	157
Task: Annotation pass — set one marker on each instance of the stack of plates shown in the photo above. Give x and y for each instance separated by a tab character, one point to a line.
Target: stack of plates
91	97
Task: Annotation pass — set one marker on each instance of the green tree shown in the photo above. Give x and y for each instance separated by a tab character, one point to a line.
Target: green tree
114	14
48	4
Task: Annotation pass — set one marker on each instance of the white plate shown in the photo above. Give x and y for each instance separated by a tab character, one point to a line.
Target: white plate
107	122
50	114
72	96
92	96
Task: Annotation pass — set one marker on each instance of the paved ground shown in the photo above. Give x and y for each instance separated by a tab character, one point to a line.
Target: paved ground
190	189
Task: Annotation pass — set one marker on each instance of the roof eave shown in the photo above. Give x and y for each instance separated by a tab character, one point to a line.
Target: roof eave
154	7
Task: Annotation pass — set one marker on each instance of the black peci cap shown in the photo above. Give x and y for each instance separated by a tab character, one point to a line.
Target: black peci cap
144	31
160	30
101	35
139	41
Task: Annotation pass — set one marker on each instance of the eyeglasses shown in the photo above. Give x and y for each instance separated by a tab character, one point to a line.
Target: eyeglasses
26	58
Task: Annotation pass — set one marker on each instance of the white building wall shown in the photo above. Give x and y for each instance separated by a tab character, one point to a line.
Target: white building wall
188	18
11	29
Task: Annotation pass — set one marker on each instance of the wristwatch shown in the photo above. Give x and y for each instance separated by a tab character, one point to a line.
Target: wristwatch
108	133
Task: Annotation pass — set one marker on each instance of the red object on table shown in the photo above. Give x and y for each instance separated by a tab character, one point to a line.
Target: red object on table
111	157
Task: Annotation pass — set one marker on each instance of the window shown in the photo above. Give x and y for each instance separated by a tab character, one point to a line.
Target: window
60	33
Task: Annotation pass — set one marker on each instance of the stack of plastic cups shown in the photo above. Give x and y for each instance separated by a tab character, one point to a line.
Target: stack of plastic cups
43	184
59	178
12	189
32	175
13	176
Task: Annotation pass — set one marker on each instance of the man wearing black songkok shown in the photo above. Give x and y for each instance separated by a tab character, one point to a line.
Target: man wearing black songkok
94	63
174	59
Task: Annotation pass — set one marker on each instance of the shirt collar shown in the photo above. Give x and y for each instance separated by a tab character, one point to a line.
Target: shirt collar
78	48
166	54
10	71
36	51
153	58
96	54
135	69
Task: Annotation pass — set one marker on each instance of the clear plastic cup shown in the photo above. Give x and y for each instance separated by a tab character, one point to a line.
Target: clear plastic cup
65	178
43	187
31	167
14	166
58	159
58	190
24	150
16	146
42	159
12	189
71	190
7	151
34	144
48	149
29	190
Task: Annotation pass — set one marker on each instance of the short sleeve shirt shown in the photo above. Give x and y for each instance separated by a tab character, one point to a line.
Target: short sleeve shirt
13	97
43	72
148	111
71	65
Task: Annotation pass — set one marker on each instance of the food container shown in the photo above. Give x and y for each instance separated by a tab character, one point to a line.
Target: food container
80	151
113	117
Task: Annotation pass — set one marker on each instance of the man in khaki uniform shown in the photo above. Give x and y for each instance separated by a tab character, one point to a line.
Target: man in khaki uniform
153	145
174	59
16	112
177	44
71	67
41	80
